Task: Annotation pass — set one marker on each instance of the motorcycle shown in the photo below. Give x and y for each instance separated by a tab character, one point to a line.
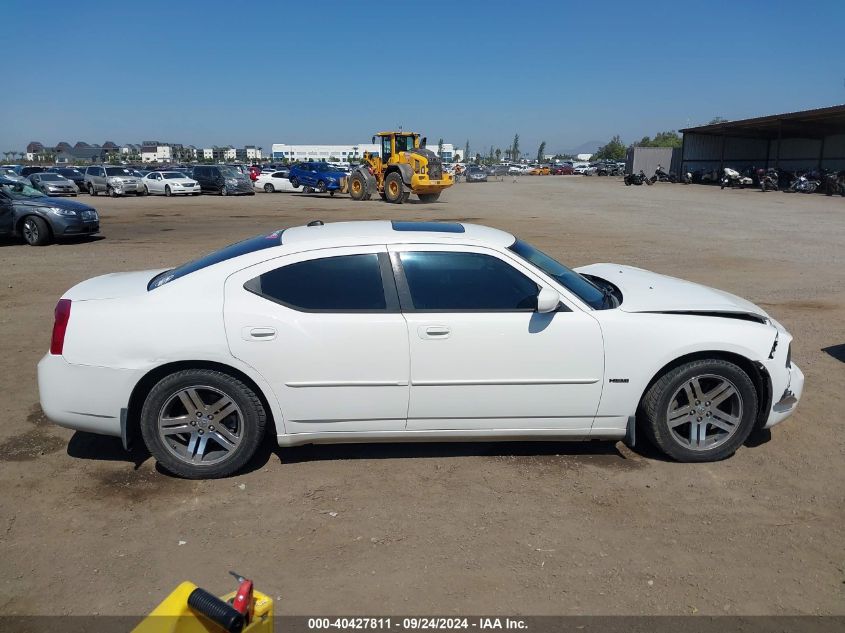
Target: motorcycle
834	183
768	179
732	178
803	183
637	179
662	176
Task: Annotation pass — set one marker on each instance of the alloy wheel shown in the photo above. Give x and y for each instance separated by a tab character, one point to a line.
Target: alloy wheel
200	425
704	412
30	231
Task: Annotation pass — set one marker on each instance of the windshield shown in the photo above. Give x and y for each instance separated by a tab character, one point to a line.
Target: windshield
71	173
569	279
51	177
323	167
229	172
20	191
171	175
118	171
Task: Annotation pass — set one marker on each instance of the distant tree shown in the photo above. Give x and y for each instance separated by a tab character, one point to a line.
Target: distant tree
440	148
563	157
541	151
716	119
477	158
661	139
614	150
498	155
515	147
466	149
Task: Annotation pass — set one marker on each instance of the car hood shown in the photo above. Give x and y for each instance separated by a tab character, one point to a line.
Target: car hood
62	203
645	291
113	286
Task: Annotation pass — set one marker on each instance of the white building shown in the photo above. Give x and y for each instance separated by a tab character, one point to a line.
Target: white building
342	153
253	153
156	153
323	153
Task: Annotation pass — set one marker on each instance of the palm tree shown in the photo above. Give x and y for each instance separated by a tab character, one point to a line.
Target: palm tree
7	154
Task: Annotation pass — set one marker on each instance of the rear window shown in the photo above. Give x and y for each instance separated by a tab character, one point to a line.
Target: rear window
251	245
345	283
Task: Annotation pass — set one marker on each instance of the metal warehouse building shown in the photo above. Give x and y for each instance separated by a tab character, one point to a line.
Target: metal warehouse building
812	139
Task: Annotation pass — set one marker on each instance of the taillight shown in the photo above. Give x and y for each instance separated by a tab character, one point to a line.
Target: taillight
57	343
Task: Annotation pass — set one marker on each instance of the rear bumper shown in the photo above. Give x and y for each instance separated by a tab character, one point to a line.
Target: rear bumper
83	397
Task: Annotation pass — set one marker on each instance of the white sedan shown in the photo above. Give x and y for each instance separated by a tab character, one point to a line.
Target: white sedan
272	181
391	331
170	183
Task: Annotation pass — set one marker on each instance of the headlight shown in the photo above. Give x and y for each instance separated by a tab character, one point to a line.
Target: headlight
68	213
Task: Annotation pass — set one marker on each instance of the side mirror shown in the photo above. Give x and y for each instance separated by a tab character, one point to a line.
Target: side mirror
548	300
424	141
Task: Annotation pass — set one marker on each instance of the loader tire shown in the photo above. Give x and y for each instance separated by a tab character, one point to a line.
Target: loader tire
429	197
394	188
358	186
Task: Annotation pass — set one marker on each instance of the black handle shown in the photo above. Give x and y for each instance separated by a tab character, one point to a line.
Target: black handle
221	613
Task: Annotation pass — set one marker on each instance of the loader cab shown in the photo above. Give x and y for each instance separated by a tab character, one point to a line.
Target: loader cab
394	142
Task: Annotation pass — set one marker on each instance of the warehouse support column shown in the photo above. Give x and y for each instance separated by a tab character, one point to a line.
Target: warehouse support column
821	154
777	154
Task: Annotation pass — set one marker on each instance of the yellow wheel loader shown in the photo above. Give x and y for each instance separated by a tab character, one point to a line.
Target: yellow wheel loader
404	167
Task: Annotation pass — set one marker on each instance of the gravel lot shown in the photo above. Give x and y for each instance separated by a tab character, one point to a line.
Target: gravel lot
545	528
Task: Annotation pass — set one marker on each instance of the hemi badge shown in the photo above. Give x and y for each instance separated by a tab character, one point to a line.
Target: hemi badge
618	380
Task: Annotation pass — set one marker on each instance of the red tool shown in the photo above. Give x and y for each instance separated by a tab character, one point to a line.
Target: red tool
242	601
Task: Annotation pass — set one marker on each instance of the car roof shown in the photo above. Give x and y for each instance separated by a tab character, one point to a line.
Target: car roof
386	232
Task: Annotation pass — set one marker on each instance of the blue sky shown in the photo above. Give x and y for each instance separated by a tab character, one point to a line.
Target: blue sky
258	72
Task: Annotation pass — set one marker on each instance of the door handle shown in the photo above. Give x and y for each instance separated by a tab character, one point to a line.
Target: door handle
434	331
258	333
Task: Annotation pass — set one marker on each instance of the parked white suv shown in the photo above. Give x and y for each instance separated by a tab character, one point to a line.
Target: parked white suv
373	331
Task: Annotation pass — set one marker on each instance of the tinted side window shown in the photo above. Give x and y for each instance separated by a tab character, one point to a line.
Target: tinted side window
441	281
346	283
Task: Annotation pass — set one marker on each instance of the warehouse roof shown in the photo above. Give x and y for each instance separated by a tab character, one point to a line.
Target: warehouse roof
805	124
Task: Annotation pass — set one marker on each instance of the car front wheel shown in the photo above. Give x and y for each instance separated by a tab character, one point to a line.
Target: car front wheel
202	423
701	411
35	231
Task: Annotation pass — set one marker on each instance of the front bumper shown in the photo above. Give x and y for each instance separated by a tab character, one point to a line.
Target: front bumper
787	389
80	228
185	190
83	397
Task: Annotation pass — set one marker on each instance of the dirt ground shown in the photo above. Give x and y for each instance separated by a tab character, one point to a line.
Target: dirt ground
545	528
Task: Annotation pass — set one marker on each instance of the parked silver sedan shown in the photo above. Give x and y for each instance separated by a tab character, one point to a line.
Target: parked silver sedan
53	184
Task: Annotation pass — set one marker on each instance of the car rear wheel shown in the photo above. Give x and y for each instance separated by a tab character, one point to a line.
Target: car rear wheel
202	423
394	188
294	181
701	411
35	231
269	188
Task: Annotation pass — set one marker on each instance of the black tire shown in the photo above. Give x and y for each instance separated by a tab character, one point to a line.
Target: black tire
294	181
111	192
91	190
269	188
308	190
254	420
394	188
223	191
429	197
35	231
657	400
321	186
357	186
167	191
142	192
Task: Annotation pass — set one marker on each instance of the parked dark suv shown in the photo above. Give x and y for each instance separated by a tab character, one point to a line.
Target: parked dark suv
222	179
26	212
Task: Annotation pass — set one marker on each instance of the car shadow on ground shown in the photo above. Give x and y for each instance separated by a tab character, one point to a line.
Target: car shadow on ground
836	351
607	450
105	448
